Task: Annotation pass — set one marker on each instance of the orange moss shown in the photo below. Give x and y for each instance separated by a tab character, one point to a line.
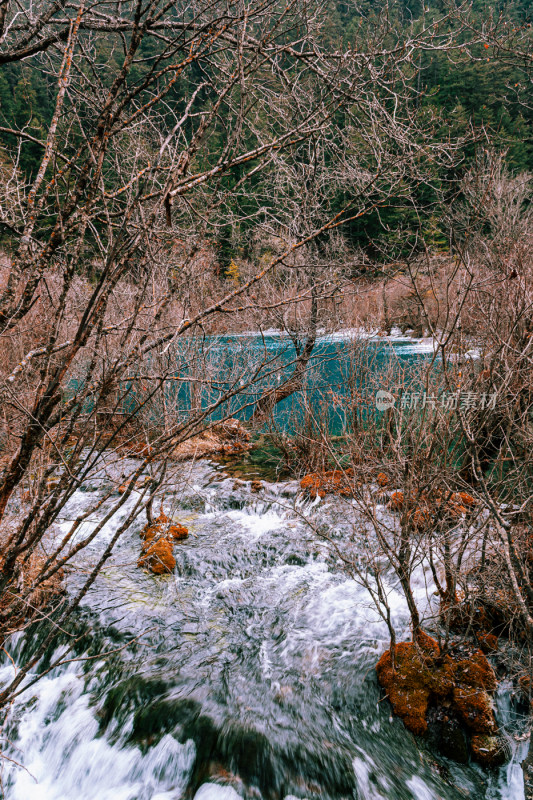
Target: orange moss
408	681
178	532
476	671
453	507
396	501
382	479
150	532
454	510
336	481
463	499
162	528
488	642
427	643
474	678
158	557
405	688
420	674
475	708
420	518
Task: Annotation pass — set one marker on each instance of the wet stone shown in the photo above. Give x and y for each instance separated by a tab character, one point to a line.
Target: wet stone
448	736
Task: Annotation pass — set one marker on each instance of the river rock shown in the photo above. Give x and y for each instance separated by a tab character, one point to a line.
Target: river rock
447	735
382	479
213	791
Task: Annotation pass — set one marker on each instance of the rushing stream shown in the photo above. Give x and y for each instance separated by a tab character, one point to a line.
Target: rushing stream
249	673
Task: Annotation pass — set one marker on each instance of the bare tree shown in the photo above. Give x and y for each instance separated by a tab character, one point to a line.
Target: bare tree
168	125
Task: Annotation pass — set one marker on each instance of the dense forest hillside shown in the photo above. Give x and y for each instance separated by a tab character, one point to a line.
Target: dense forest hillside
480	97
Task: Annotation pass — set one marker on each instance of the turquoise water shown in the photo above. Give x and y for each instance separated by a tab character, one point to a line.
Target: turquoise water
342	372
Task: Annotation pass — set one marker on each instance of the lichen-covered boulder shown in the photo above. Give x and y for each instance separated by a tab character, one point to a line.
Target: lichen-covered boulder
416	676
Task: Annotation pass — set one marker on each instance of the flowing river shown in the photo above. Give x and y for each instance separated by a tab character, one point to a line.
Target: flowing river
248	673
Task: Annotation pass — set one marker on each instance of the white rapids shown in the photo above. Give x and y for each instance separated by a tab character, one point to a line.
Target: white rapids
257	638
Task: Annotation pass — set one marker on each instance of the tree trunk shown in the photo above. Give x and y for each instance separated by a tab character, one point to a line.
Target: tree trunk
268	401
